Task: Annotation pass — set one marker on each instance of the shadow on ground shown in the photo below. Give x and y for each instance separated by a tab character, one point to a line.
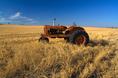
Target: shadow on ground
98	43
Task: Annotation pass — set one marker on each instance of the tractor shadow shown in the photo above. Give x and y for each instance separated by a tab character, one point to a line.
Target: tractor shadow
92	43
101	42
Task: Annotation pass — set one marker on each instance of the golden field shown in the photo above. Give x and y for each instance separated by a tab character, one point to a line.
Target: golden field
22	56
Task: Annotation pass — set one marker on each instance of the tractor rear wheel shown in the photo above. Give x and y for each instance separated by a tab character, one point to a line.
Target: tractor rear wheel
43	39
79	37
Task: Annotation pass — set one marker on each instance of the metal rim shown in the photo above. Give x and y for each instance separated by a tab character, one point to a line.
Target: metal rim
44	39
80	40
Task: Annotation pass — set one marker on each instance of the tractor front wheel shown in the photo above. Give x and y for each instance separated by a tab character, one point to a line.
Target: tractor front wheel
43	39
79	37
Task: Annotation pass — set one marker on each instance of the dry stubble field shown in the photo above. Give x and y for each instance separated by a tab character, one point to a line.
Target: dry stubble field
22	56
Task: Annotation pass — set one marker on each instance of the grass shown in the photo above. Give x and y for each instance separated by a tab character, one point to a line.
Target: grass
22	56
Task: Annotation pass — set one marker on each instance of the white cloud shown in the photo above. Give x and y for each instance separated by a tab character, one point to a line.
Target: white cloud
18	14
17	18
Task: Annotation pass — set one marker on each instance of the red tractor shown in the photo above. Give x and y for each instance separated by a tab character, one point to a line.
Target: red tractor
72	34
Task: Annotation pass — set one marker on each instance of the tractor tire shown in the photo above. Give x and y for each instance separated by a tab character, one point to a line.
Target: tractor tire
79	37
66	39
43	39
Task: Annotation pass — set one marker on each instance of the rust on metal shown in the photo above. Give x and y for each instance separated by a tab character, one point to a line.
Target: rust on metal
60	31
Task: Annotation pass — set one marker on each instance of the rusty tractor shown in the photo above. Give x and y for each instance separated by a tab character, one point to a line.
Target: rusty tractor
73	34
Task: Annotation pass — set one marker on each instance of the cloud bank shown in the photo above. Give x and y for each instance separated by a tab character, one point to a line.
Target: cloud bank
17	18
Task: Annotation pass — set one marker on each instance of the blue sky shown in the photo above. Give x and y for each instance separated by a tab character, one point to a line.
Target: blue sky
103	13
